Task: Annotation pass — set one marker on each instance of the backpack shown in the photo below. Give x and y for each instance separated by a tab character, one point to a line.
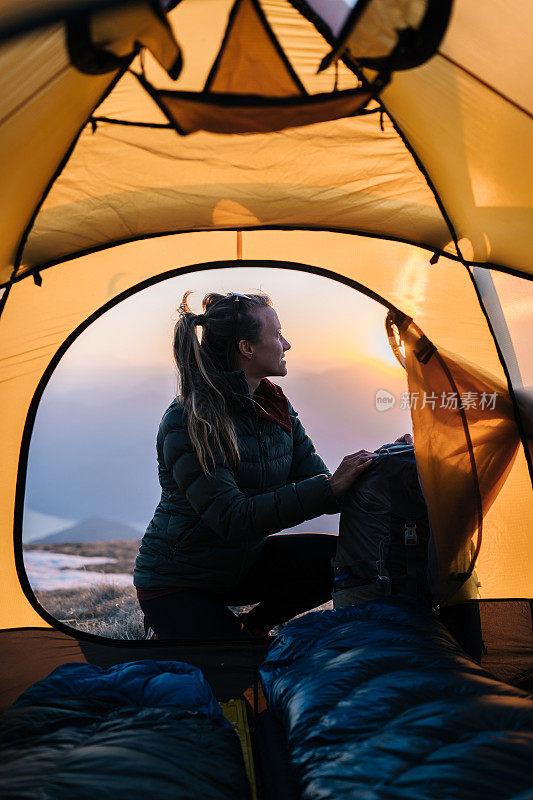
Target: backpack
384	532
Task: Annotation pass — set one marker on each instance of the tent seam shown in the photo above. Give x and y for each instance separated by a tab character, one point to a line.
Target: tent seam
261	16
48	188
421	167
492	89
381	237
157	234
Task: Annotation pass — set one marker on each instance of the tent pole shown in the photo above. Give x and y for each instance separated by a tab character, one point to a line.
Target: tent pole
520	397
489	297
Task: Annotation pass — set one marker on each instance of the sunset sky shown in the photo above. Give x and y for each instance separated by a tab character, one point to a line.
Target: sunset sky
328	324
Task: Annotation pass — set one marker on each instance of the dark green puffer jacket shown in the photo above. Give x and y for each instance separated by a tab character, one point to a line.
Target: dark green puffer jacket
209	529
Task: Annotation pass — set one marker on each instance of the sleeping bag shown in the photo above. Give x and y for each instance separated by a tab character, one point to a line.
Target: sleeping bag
147	728
379	703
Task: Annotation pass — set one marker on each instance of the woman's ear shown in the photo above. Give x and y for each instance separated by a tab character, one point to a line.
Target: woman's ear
246	348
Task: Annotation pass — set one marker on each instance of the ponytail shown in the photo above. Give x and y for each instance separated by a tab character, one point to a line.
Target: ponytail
204	393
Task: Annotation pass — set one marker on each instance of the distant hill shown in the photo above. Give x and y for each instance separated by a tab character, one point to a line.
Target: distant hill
94	529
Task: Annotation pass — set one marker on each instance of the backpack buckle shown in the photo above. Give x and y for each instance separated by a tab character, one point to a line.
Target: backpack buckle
411	538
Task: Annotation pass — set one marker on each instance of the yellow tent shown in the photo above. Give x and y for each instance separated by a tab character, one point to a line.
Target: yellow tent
135	144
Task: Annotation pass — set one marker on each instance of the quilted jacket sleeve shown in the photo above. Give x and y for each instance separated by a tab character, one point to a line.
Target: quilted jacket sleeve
225	509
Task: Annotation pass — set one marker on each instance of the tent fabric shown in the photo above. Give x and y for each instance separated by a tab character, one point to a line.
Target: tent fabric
252	87
31	654
378	700
467	438
498	634
20	666
250	59
259	178
482	121
43	89
17	17
232	114
31	141
90	164
375	32
482	125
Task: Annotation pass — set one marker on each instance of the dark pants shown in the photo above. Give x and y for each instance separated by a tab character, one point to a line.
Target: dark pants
292	574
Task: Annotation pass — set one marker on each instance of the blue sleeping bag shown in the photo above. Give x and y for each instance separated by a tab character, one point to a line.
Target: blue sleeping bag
379	702
145	728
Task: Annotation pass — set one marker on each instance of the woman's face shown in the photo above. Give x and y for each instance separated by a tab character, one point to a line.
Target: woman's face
268	353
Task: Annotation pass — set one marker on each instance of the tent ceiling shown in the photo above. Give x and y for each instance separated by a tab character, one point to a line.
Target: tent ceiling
127	182
466	114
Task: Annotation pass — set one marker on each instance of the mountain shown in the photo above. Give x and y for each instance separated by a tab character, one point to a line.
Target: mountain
94	529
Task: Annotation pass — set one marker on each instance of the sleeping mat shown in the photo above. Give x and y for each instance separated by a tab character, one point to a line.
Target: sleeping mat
147	728
379	702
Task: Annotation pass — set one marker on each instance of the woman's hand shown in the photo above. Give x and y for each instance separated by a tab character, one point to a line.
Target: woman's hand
350	467
407	438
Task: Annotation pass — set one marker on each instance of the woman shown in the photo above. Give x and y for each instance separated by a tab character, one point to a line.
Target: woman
235	467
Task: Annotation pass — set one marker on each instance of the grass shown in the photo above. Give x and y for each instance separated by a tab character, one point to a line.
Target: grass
103	609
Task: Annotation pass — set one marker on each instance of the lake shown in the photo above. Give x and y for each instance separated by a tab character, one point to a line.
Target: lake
47	571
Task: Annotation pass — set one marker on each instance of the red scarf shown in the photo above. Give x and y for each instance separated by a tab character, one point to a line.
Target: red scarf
270	403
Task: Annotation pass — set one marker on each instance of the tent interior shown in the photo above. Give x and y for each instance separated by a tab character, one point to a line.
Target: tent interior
136	146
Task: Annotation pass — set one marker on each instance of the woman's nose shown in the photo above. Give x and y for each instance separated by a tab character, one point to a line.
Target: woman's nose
286	345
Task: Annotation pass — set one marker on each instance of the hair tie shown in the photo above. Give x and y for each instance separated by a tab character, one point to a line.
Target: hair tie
200	319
